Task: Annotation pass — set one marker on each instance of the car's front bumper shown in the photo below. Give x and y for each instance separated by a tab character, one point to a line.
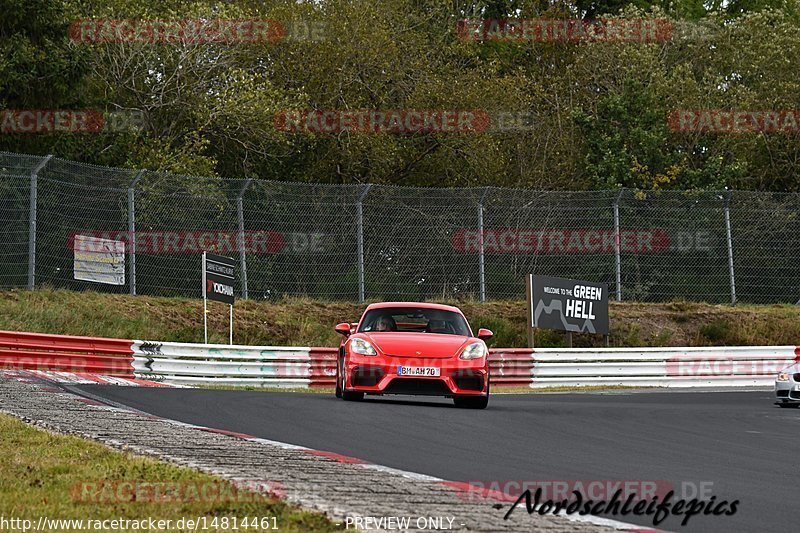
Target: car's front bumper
787	391
379	375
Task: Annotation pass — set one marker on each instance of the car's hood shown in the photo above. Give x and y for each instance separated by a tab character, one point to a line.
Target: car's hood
794	369
409	344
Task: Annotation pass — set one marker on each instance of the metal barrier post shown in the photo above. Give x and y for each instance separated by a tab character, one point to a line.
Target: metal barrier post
481	251
132	231
32	222
360	242
730	245
240	238
617	258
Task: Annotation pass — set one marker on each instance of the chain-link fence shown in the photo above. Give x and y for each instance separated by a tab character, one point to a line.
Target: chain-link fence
357	242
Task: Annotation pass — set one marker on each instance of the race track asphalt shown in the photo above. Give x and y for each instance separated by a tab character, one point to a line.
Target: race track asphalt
734	445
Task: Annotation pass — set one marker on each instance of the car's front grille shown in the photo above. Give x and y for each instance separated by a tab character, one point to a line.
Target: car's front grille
427	387
782	393
796	377
794	395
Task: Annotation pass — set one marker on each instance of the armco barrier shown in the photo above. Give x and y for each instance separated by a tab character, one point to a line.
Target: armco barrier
511	367
270	366
276	366
662	367
39	351
257	366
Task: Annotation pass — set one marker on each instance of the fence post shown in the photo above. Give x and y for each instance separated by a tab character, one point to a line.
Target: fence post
240	236
132	231
729	237
617	258
32	222
360	242
481	251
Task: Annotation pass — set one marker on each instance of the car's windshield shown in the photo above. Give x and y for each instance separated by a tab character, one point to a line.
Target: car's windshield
410	319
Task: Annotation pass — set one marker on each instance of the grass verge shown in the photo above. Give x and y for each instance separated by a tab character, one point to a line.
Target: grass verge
41	475
306	322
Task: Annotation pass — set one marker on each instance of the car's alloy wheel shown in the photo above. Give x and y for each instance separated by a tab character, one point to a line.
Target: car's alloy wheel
352	396
472	402
347	395
339	375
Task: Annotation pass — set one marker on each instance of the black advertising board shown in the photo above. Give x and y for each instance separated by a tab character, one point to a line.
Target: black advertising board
568	305
218	275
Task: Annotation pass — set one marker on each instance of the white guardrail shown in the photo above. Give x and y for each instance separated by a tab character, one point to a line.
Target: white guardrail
275	366
755	366
222	364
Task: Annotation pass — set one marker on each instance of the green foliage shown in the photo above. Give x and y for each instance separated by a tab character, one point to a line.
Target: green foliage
715	331
38	67
626	139
597	111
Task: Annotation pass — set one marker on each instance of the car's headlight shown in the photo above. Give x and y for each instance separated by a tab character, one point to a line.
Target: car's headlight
362	347
476	350
783	376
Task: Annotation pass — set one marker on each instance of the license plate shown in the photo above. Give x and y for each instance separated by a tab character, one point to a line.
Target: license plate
430	371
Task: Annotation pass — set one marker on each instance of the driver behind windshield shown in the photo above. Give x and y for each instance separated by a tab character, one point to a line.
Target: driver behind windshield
385	323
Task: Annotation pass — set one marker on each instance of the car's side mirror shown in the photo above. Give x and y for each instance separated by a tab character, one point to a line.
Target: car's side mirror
343	328
485	334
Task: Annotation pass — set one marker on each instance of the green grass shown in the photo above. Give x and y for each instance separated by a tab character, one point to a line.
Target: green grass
39	473
307	322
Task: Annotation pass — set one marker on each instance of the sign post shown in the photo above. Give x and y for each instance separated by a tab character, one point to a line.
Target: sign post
529	299
567	305
218	275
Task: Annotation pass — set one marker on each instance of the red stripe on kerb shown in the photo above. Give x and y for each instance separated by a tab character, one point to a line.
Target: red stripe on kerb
228	433
338	457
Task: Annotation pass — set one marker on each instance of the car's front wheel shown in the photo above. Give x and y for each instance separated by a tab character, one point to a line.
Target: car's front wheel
349	396
341	391
472	402
339	374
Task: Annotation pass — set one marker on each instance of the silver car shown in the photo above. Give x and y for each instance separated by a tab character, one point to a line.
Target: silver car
787	386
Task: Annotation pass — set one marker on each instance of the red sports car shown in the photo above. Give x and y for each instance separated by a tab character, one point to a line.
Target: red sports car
413	348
